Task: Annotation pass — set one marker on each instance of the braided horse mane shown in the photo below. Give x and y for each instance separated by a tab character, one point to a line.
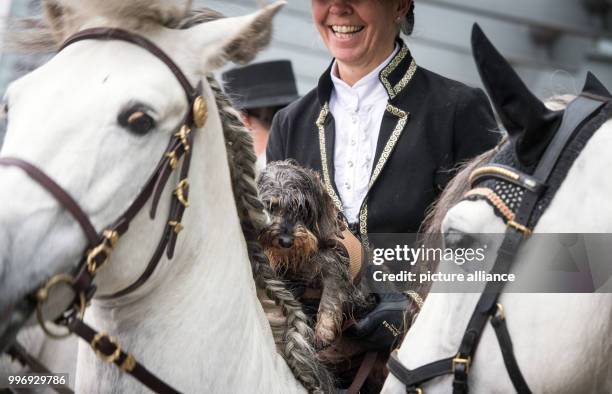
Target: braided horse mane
292	335
295	337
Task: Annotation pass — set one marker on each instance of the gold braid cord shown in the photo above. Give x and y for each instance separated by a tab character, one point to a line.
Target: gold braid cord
493	199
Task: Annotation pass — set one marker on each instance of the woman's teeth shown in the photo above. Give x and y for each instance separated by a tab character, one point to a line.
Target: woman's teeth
345	31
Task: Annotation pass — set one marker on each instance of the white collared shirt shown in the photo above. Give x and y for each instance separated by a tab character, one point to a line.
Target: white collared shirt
358	112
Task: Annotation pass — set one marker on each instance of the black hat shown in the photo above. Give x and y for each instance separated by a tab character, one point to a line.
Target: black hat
267	84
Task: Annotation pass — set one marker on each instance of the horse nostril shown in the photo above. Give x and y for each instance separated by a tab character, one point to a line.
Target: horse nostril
286	241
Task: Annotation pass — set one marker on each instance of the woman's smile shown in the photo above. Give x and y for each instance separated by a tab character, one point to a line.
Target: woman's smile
344	32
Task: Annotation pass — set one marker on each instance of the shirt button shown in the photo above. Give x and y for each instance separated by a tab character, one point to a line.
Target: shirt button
347	186
353	142
354	119
350	164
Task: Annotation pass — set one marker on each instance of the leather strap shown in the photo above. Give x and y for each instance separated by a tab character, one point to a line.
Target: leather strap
154	186
355	253
366	367
505	343
104	33
354	249
413	378
116	355
507	174
576	113
19	353
58	192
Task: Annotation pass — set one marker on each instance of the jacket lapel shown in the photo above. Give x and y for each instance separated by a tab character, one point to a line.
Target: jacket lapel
326	133
393	124
394	77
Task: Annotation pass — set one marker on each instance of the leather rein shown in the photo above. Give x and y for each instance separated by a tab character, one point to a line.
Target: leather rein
101	244
518	228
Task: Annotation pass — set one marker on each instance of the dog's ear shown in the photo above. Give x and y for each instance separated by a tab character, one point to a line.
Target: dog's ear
330	220
327	222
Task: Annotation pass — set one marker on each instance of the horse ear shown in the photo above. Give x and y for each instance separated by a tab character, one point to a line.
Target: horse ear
594	86
58	16
528	122
236	39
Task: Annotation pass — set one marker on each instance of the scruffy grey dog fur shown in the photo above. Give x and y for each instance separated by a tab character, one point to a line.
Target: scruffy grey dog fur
301	241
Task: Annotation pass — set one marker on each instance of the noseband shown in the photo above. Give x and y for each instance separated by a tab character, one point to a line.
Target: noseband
101	244
515	196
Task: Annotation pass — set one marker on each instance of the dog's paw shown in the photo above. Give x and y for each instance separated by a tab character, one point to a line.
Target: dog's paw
326	329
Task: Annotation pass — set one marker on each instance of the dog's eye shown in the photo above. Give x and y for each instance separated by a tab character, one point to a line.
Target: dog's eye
273	205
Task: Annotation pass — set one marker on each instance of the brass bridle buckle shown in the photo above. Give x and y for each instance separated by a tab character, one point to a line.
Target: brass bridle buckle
105	249
173	159
520	228
460	360
500	312
183	134
42	296
111	358
176	226
179	192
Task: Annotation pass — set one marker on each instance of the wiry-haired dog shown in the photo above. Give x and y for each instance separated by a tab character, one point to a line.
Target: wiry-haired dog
302	243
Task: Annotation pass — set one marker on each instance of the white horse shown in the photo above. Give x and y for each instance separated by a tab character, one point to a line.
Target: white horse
562	342
197	322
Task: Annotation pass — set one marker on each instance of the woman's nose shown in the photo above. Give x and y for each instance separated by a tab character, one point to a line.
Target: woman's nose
340	7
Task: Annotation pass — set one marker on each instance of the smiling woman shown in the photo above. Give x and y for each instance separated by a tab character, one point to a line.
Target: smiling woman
384	134
358	33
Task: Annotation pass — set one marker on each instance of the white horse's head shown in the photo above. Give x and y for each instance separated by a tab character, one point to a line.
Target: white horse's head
97	119
560	340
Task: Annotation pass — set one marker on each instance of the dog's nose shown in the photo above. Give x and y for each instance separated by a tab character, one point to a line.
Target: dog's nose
285	240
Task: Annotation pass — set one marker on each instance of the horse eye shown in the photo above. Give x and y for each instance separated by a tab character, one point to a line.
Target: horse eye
136	120
4	110
455	239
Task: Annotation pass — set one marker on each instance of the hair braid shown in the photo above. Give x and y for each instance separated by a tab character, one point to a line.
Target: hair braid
297	338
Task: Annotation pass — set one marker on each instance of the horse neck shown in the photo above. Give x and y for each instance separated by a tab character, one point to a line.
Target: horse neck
201	329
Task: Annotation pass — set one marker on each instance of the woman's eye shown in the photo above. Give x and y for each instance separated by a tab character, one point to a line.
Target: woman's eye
137	121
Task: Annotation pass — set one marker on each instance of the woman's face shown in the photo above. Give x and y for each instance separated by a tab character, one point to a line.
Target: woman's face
358	32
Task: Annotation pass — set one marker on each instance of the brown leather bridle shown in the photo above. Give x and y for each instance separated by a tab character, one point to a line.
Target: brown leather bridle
101	244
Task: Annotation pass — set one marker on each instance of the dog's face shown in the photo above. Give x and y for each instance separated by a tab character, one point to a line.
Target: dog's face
302	215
